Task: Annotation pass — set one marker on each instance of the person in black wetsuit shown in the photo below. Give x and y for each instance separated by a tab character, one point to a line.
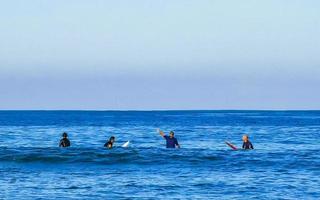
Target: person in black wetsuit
110	142
246	143
64	142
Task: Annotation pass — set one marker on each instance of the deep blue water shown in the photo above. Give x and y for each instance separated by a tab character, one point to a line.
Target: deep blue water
285	163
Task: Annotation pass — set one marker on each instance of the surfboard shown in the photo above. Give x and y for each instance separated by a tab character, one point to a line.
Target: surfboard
125	145
231	146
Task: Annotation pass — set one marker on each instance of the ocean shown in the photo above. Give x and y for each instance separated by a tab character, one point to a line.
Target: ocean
285	162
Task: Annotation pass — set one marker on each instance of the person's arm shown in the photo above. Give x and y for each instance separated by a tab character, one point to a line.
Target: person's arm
61	143
251	146
162	133
176	143
243	145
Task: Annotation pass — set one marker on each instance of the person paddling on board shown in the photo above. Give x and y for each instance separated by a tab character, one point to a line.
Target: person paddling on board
171	141
110	142
246	143
64	142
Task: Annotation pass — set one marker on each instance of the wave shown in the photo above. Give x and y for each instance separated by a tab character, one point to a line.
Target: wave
102	156
159	156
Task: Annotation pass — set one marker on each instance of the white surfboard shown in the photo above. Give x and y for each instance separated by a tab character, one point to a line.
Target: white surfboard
125	145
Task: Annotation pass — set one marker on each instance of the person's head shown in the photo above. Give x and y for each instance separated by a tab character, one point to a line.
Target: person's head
64	135
112	139
245	138
171	134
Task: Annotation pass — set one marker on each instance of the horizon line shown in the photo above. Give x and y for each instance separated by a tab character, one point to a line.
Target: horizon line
149	110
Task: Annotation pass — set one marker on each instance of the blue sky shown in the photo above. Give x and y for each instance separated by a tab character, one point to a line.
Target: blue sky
163	54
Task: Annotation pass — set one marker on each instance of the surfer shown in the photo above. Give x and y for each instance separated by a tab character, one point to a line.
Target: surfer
246	143
109	143
64	142
171	141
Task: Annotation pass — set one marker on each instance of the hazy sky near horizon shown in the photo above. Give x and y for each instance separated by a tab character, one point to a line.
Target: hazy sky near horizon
143	54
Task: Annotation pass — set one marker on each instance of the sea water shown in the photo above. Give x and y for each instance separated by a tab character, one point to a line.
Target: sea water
285	163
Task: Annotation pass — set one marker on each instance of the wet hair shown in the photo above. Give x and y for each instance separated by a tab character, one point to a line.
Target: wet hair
171	132
245	136
112	138
65	135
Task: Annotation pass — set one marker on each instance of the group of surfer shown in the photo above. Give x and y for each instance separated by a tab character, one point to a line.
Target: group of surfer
171	141
65	142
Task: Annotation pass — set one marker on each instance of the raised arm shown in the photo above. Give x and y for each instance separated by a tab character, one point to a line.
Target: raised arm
161	132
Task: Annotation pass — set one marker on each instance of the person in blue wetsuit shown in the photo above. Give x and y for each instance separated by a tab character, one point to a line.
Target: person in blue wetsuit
246	143
171	141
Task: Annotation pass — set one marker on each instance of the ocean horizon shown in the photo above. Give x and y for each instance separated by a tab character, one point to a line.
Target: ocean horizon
284	163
